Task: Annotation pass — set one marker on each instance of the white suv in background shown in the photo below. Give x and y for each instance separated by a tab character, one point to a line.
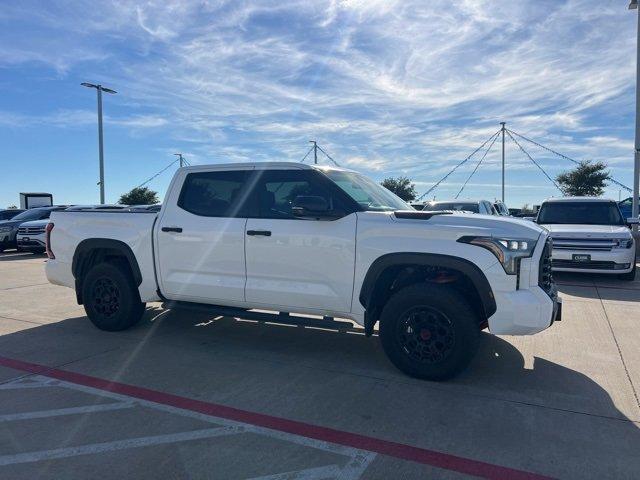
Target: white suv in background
31	236
589	235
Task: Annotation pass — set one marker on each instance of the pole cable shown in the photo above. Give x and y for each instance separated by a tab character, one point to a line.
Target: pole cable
307	154
328	156
565	157
157	174
534	162
495	137
455	168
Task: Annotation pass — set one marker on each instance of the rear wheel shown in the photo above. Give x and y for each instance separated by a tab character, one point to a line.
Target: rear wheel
429	331
629	276
110	297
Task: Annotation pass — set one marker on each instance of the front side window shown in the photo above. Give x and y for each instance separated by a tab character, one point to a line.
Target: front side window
580	213
215	194
276	191
366	192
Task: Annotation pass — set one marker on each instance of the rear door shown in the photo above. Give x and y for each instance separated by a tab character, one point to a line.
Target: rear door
200	238
299	264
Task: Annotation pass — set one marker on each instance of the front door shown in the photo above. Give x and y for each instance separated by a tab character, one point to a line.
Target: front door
200	239
298	264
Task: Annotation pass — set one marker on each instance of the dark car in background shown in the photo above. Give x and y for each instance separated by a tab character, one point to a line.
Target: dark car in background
9	228
9	213
625	207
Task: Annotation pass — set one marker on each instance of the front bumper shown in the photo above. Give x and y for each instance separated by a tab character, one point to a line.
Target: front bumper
524	307
524	312
614	261
31	244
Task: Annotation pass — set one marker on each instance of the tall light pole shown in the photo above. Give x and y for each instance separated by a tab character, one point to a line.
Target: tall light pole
179	155
636	163
100	89
502	123
315	151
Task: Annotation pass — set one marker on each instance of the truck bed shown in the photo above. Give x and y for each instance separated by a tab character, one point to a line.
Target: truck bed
131	226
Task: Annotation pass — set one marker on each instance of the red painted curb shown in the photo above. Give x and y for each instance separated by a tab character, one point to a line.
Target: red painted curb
354	440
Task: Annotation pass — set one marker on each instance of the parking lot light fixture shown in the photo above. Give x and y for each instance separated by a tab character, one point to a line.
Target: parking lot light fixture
99	88
636	160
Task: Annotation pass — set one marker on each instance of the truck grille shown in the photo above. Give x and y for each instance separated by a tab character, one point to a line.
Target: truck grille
591	265
30	230
545	276
599	244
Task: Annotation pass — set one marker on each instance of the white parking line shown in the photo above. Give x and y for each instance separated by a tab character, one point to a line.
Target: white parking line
103	407
39	382
357	463
318	473
116	445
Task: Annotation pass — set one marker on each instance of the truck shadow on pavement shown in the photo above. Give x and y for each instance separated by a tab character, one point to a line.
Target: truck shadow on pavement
540	405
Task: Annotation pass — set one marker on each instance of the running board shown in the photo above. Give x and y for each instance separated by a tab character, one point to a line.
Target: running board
283	318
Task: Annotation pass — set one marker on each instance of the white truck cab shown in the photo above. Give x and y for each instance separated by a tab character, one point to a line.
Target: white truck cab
292	239
589	236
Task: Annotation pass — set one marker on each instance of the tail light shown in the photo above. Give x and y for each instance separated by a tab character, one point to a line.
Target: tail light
48	240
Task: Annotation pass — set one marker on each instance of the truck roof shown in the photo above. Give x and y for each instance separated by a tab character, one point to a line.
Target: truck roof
261	166
577	199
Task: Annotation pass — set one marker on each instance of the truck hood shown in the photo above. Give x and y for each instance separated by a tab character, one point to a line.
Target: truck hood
476	224
587	231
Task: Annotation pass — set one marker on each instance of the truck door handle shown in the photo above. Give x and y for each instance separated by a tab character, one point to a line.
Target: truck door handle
172	229
264	233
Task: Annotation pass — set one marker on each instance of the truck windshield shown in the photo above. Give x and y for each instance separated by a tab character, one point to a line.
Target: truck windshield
366	192
580	213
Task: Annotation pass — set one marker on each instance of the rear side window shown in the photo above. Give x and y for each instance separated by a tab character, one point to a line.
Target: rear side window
215	194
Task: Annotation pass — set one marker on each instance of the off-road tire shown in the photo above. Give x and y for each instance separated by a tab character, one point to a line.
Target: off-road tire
111	298
429	331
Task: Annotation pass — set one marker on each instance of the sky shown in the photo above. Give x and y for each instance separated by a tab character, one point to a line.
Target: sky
385	87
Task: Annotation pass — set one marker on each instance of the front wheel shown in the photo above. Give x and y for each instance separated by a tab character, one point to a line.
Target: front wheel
110	297
429	331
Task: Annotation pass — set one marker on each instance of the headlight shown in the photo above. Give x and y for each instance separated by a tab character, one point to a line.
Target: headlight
5	229
626	242
508	251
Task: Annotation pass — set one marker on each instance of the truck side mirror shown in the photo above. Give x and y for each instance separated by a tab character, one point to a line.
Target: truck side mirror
632	221
311	206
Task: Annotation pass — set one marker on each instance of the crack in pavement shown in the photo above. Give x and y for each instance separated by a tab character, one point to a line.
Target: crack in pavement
615	340
23	286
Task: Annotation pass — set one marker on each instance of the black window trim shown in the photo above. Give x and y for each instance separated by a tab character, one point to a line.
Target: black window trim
252	208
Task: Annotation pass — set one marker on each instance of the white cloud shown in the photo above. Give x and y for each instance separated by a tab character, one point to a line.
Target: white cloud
391	86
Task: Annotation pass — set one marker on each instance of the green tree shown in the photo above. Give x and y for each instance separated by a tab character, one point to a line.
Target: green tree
139	196
586	179
402	187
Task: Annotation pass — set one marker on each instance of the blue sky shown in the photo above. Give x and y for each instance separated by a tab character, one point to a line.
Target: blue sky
386	87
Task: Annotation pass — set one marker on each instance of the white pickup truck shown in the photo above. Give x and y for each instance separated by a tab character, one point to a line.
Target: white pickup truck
295	239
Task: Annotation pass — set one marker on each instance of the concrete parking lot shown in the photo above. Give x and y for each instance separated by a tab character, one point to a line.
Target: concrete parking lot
187	395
